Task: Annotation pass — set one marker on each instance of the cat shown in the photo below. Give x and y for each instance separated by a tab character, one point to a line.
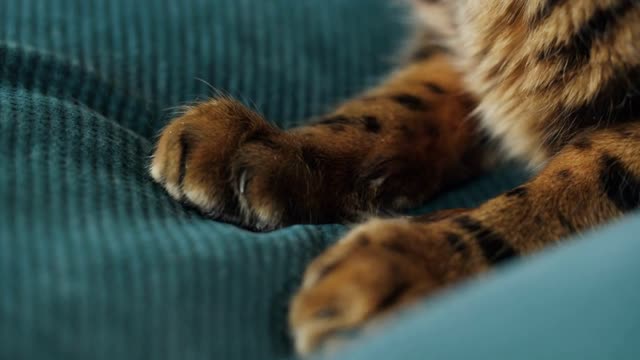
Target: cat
553	83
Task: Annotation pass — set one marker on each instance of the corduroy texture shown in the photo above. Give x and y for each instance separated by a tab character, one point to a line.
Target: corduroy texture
97	262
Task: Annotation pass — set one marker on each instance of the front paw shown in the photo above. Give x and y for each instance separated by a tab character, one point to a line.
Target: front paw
209	155
231	164
378	267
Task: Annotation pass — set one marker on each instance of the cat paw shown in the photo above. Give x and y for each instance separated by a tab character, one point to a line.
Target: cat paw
231	164
377	268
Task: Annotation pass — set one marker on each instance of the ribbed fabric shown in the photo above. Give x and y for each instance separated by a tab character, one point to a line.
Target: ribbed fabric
97	262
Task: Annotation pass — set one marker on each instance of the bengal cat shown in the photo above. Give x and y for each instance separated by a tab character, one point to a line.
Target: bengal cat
555	83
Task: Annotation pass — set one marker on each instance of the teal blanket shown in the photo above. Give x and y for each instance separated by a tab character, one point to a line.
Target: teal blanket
97	262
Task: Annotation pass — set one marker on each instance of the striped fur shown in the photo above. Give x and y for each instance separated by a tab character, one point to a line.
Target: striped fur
550	69
554	83
557	83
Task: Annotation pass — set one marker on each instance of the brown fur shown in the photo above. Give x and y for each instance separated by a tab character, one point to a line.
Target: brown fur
371	154
555	82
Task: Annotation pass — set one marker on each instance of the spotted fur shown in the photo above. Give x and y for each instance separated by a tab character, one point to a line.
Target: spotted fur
370	156
556	84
